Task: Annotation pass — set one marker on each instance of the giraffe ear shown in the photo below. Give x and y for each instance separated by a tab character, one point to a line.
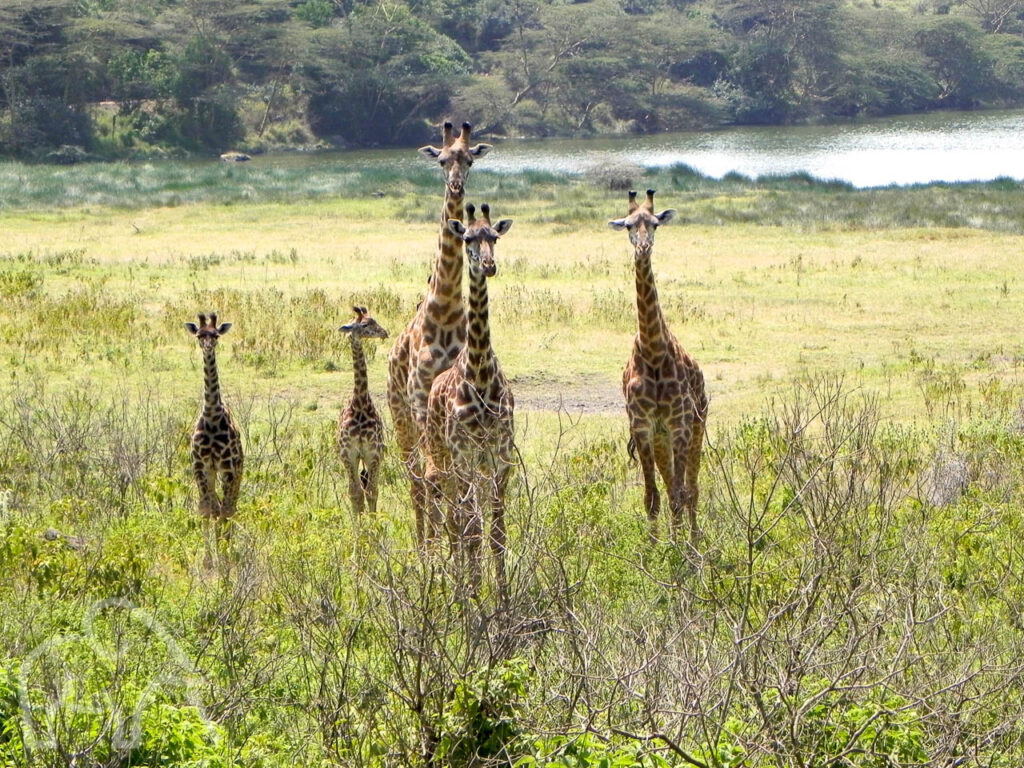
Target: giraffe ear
665	216
480	150
191	328
503	226
617	223
224	328
429	152
456	227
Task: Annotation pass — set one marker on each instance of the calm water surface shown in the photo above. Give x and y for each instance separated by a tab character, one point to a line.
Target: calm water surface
946	146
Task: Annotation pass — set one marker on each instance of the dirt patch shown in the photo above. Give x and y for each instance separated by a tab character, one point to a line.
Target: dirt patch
582	394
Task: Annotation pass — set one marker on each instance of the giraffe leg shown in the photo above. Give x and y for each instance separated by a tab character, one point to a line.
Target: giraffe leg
436	484
652	500
372	469
497	536
355	486
408	438
406	433
231	483
473	534
209	506
677	480
464	528
692	481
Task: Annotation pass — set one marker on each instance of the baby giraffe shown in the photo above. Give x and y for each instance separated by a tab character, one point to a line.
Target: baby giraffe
469	416
360	432
216	441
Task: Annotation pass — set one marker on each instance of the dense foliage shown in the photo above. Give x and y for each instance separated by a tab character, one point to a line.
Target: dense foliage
117	77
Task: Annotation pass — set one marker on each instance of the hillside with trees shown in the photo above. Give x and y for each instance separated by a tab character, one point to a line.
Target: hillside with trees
133	77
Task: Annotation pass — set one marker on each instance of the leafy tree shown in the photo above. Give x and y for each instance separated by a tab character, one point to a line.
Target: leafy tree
788	60
378	76
42	84
957	61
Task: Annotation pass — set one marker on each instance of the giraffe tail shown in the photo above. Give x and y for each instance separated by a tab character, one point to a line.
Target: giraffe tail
631	450
364	478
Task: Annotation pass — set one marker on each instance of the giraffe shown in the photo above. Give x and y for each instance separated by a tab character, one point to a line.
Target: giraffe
437	332
216	441
470	415
663	386
360	430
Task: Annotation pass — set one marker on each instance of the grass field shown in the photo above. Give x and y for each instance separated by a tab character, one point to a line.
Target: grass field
857	596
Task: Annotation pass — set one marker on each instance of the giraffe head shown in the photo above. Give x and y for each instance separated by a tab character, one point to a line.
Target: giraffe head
364	326
480	238
207	332
642	221
455	156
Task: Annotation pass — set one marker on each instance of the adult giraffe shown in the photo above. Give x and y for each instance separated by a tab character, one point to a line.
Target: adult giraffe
437	332
663	386
470	418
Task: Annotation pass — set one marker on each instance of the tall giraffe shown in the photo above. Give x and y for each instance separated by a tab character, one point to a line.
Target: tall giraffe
437	332
470	415
216	441
360	430
663	386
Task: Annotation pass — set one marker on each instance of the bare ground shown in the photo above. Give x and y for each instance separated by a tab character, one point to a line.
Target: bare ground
581	394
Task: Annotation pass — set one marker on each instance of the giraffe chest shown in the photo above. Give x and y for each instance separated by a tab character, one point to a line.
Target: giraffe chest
482	414
216	436
656	390
360	420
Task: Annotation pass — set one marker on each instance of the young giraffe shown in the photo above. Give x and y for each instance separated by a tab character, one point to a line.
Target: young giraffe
360	431
437	332
216	441
470	415
663	386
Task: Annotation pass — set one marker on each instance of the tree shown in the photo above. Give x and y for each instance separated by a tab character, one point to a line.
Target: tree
957	61
996	15
41	80
380	75
788	59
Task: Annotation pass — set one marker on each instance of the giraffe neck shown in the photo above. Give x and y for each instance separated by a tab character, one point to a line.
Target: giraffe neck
480	364
212	400
445	292
362	382
650	322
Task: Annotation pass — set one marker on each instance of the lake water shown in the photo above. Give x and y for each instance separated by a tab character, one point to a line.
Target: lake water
917	149
947	146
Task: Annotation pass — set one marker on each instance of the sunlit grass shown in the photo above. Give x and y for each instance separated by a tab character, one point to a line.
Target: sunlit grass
103	293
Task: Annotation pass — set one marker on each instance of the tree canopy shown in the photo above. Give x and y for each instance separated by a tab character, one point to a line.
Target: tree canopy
118	77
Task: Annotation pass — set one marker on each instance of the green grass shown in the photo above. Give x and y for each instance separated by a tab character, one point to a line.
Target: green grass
857	594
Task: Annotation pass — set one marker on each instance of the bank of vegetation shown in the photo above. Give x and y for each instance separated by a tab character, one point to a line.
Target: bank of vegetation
126	77
856	600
